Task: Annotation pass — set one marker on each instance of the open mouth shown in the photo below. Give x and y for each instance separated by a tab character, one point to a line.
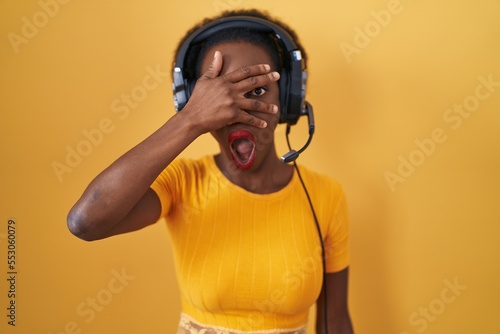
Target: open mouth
242	146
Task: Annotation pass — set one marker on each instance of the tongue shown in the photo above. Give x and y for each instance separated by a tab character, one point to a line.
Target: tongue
243	148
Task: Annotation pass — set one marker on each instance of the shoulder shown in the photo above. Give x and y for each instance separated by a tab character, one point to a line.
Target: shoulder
321	182
326	193
188	166
184	172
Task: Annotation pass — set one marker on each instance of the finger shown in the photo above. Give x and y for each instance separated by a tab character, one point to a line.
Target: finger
257	81
249	119
215	67
247	71
256	105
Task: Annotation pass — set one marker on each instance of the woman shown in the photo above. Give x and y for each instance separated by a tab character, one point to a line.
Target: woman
245	242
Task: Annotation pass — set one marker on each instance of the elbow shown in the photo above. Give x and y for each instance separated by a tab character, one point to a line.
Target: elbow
80	225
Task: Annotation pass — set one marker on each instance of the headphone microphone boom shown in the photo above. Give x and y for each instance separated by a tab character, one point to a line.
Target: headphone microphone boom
293	155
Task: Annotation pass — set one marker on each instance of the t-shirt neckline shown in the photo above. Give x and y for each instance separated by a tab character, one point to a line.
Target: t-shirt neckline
277	194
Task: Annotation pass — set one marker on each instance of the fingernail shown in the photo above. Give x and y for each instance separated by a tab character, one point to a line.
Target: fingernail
264	124
275	109
267	67
276	75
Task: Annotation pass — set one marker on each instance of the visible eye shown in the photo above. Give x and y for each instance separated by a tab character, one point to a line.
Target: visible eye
259	91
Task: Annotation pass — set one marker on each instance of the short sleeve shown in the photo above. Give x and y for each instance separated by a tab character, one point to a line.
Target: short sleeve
337	238
168	185
158	189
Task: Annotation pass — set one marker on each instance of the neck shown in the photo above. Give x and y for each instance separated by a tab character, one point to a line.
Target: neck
270	176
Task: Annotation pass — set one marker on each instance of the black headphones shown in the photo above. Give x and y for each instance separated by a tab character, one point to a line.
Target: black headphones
292	81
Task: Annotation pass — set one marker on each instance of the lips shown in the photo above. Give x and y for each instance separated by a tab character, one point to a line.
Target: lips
242	147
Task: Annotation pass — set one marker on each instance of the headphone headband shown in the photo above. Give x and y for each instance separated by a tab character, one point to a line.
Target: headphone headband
292	83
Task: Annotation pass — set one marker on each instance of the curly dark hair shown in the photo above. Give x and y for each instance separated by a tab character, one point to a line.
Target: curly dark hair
194	58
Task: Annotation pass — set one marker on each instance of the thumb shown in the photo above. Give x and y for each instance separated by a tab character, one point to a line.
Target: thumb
215	67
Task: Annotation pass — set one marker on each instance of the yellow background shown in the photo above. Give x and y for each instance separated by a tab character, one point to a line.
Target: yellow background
440	226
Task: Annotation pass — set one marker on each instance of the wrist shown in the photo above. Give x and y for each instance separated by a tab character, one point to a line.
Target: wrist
190	123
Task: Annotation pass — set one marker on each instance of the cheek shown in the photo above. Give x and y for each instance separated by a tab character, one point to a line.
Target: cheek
265	137
275	97
272	123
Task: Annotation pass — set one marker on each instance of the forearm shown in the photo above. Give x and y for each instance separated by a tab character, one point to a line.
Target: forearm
337	312
336	325
115	191
341	325
217	101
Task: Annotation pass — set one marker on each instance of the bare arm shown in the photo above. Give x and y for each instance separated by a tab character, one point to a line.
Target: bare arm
119	199
339	321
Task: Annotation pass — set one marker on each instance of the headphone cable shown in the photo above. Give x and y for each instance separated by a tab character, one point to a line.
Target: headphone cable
323	256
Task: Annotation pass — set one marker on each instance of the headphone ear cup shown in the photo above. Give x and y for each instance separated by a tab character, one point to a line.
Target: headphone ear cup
284	103
179	89
296	89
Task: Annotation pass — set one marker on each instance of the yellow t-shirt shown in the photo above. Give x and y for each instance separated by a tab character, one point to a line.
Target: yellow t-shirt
250	261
